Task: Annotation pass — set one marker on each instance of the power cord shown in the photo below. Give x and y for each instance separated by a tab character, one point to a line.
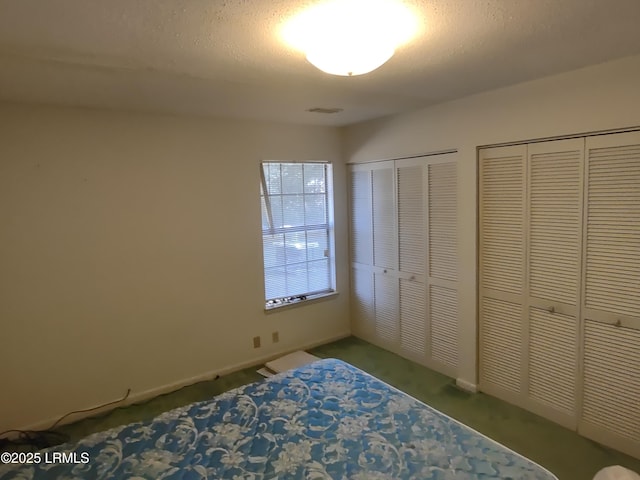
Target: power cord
45	438
126	395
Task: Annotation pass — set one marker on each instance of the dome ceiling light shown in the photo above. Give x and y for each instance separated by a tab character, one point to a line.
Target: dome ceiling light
350	37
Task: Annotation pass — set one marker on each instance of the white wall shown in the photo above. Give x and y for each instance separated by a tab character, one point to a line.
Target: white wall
602	97
131	254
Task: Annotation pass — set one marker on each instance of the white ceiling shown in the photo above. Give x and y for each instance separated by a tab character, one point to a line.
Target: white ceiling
225	58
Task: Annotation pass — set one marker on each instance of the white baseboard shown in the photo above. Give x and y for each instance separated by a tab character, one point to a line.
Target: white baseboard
136	397
465	385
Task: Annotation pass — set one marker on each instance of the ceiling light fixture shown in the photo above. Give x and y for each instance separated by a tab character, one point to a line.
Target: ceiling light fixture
350	37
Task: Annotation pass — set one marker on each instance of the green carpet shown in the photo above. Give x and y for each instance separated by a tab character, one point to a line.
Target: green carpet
568	455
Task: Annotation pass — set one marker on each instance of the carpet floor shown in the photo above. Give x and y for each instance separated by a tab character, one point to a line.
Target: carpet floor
565	453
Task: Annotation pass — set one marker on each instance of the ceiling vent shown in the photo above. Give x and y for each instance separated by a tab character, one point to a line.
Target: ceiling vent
324	110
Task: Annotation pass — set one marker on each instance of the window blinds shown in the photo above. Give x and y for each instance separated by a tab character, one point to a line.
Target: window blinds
296	229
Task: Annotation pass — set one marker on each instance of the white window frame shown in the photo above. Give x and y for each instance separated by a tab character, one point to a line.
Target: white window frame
271	303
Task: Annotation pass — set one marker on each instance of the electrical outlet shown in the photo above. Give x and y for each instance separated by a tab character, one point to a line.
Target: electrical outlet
275	337
256	342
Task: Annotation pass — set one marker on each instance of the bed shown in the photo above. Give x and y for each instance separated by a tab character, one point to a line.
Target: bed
326	420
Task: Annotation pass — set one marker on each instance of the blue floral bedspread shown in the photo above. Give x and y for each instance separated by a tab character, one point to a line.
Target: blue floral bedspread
327	420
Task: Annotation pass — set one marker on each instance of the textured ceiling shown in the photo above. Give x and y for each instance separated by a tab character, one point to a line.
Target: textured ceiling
225	57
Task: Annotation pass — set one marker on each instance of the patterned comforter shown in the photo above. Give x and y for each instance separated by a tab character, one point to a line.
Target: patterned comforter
327	420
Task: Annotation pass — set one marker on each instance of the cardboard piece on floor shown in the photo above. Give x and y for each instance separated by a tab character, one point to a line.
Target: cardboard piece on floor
265	372
293	360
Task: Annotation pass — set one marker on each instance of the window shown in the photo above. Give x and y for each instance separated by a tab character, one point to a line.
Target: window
297	231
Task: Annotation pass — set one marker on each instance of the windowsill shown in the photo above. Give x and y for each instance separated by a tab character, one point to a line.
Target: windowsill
312	299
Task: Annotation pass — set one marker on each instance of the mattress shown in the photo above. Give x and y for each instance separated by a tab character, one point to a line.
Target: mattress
326	420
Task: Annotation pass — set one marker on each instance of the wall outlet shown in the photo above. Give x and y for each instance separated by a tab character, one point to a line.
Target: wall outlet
275	337
256	342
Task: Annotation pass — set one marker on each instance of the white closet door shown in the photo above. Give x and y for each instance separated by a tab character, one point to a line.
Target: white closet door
404	259
554	244
442	247
559	293
502	198
385	255
611	297
374	254
428	261
361	236
412	253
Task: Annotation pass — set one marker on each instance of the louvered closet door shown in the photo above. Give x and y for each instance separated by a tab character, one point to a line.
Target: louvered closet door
442	219
412	240
361	236
611	296
502	196
409	266
554	244
385	256
427	239
374	254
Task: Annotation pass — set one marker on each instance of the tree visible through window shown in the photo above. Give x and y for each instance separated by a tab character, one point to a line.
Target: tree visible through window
296	231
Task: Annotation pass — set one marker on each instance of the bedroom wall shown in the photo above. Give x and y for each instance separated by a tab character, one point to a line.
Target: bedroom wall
596	98
131	254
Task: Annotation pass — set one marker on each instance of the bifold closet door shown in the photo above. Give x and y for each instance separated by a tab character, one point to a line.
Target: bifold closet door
554	246
374	253
385	255
442	267
361	237
411	177
559	296
502	198
611	295
530	256
427	190
404	257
